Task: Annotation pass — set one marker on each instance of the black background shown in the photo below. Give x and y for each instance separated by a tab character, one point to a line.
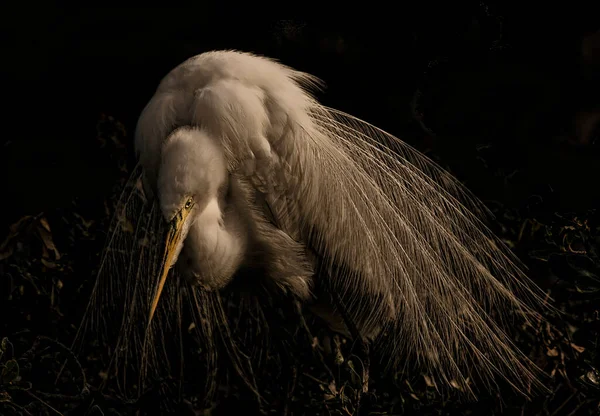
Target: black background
493	92
510	75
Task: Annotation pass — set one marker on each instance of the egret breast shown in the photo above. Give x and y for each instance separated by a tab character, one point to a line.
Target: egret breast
208	224
212	253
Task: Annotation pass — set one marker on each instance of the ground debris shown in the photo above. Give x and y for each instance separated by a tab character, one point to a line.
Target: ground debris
48	260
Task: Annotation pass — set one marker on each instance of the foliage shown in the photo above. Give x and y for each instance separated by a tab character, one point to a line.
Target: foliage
47	268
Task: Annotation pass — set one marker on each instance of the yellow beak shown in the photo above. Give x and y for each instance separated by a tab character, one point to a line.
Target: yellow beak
172	239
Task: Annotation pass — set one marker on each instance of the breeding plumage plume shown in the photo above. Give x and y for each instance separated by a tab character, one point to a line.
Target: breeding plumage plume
243	169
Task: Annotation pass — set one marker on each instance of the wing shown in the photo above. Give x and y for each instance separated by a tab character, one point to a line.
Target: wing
405	245
232	95
401	240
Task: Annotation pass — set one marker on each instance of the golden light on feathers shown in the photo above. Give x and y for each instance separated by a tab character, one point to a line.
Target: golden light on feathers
402	242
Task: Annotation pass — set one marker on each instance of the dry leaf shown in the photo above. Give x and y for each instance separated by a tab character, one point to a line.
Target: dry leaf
47	240
124	223
315	342
429	381
454	384
45	224
139	185
48	264
14	231
84	222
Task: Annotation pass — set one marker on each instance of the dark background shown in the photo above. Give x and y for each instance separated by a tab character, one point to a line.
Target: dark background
507	75
503	95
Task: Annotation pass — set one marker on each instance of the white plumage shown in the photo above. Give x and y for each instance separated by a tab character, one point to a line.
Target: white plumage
326	202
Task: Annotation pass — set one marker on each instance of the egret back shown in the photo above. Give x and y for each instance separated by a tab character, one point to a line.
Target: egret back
401	242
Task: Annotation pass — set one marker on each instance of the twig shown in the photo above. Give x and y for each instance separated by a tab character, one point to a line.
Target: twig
362	344
291	390
559	408
307	329
44	403
315	379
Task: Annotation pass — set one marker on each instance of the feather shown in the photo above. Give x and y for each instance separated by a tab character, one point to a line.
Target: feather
401	241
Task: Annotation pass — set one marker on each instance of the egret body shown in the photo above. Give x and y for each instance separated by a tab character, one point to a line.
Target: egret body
248	169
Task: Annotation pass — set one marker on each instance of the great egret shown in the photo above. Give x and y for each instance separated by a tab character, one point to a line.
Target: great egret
248	170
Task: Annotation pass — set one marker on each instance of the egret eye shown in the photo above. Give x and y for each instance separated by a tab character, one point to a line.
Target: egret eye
189	203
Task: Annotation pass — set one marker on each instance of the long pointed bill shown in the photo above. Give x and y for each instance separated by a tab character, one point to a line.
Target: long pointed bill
172	240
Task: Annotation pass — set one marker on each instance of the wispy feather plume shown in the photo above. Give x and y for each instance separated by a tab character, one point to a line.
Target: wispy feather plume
402	242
